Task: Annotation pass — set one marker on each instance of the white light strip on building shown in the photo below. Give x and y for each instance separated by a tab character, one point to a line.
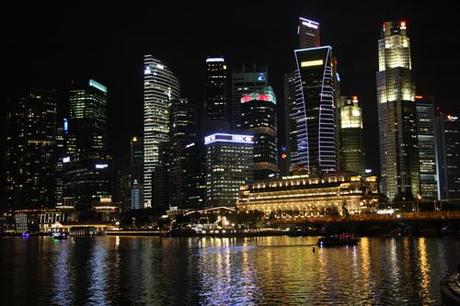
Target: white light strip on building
231	138
215	60
309	23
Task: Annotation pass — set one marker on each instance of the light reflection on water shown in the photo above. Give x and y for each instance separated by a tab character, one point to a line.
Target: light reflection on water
223	271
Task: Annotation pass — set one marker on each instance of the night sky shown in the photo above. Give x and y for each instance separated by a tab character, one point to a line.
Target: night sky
49	44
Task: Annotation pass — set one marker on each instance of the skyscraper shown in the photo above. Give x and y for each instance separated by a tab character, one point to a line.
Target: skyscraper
308	32
182	129
160	87
258	112
288	141
216	89
313	112
136	172
86	166
30	150
397	114
351	136
448	156
229	164
245	79
195	174
427	147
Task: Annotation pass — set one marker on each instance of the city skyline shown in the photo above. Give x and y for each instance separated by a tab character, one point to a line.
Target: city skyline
121	68
230	153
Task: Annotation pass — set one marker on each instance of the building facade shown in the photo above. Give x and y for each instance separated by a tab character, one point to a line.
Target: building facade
229	164
259	118
306	195
86	165
314	112
427	147
351	152
448	156
245	79
397	114
195	174
30	150
309	33
216	89
160	87
182	128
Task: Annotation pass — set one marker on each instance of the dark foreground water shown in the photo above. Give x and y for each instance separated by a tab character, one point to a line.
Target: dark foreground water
223	271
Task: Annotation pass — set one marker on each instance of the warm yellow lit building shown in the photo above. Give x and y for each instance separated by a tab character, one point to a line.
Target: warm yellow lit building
311	195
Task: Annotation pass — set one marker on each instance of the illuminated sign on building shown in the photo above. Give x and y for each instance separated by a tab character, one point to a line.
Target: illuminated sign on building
259	96
147	70
215	60
261	77
309	23
98	85
66	159
101	166
231	138
311	63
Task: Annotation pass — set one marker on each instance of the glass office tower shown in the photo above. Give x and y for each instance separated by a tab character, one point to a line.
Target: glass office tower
160	87
396	108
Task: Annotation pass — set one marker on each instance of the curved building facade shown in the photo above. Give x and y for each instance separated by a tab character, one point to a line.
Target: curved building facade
160	87
314	111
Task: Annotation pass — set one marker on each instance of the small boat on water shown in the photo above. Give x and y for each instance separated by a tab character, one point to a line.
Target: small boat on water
59	235
338	240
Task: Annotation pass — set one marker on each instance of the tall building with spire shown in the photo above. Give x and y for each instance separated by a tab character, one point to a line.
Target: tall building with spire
160	87
399	158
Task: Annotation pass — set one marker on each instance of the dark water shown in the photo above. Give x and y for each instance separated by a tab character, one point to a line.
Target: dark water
223	271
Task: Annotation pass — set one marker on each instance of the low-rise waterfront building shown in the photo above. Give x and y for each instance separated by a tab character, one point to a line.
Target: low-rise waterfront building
308	195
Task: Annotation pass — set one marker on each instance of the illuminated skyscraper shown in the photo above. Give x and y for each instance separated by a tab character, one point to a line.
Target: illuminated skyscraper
216	89
427	147
258	111
351	136
245	79
182	131
448	156
229	164
313	111
30	150
308	32
396	107
160	87
310	97
86	165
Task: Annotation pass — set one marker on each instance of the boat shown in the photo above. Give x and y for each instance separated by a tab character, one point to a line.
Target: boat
59	235
344	239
